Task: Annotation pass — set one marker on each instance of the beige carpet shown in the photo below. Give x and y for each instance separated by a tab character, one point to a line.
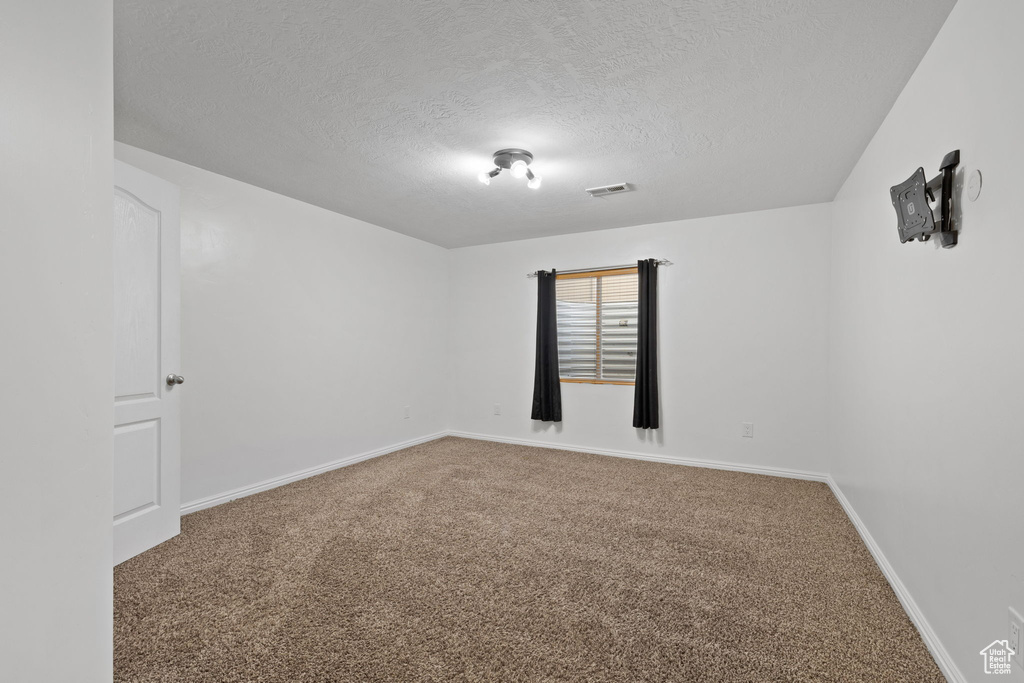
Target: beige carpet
468	560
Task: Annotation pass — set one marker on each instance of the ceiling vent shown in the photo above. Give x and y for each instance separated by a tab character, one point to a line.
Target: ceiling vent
617	188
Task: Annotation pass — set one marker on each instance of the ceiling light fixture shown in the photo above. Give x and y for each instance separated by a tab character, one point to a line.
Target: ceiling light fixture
517	161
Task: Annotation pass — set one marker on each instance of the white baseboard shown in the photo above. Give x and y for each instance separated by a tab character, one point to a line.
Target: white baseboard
228	496
939	654
673	459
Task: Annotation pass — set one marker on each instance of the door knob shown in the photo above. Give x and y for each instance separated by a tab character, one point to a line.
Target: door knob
173	379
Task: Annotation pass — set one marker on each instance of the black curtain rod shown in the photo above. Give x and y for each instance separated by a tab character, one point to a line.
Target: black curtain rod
661	262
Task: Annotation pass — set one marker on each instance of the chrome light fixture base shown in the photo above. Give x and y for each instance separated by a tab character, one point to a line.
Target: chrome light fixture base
504	158
517	162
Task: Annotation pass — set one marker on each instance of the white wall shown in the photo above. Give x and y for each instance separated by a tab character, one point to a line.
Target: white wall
56	341
742	336
927	372
304	332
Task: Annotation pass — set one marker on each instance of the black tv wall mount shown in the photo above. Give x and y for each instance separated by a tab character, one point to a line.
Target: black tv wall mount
913	212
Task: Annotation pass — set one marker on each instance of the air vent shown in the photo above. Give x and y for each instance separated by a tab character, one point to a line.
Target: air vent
609	189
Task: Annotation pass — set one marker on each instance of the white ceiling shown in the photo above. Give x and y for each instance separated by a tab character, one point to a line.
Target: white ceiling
386	110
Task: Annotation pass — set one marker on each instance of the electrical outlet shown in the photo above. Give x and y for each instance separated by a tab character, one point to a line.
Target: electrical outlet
408	412
497	409
748	430
1016	644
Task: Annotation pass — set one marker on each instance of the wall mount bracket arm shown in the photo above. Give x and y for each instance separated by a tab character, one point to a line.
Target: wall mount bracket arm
911	198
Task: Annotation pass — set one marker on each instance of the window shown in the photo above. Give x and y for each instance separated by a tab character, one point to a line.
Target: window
597	326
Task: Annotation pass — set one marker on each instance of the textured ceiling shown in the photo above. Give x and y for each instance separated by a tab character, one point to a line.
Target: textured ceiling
386	110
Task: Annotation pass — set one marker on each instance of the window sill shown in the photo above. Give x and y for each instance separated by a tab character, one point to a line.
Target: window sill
594	381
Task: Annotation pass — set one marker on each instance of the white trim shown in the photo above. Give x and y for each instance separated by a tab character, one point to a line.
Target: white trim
228	496
672	459
931	640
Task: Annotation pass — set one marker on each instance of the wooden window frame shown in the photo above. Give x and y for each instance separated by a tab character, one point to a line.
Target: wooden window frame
596	274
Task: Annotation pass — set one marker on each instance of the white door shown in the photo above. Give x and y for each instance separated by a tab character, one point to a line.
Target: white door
147	358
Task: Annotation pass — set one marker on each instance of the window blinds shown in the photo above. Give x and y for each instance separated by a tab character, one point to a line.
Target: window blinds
597	325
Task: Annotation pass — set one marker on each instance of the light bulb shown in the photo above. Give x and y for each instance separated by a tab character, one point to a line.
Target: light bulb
484	177
534	182
518	168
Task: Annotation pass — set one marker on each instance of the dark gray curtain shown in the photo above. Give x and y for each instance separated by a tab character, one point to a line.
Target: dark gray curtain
645	393
547	391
